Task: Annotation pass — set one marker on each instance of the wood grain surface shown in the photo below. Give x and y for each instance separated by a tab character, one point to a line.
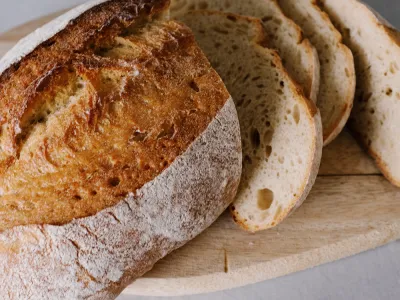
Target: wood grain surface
352	208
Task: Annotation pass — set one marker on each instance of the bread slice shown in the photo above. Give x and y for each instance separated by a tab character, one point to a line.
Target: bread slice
281	129
119	143
375	119
298	55
338	79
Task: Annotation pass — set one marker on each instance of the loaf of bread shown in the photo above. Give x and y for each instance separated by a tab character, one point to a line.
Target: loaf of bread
375	119
118	144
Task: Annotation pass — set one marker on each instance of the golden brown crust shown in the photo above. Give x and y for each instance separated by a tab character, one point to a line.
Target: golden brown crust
88	118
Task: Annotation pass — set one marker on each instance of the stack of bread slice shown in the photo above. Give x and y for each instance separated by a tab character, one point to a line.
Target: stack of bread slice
280	58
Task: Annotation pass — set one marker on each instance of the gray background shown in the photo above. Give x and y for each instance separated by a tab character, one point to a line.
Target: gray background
373	275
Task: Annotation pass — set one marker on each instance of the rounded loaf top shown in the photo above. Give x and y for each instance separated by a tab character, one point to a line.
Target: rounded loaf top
98	110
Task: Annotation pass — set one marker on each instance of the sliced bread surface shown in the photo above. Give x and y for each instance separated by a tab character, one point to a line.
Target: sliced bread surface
375	119
281	129
298	55
338	79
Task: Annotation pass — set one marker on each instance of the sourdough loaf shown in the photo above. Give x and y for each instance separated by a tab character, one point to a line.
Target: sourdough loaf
338	79
281	129
119	143
298	55
374	120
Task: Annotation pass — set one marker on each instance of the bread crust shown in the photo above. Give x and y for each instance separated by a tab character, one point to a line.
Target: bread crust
96	256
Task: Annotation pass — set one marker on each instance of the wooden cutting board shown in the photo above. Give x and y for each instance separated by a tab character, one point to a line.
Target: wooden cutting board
351	209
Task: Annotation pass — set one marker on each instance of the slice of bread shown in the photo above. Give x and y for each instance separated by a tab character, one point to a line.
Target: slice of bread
375	119
298	55
338	79
281	129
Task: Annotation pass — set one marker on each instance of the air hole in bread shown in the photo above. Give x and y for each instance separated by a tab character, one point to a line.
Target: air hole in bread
77	197
281	160
393	67
347	72
93	193
255	78
268	151
265	198
255	138
296	114
246	77
192	7
114	181
372	111
389	92
193	85
268	135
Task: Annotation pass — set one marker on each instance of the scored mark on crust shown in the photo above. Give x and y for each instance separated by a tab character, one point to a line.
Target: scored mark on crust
128	205
46	236
114	217
80	266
